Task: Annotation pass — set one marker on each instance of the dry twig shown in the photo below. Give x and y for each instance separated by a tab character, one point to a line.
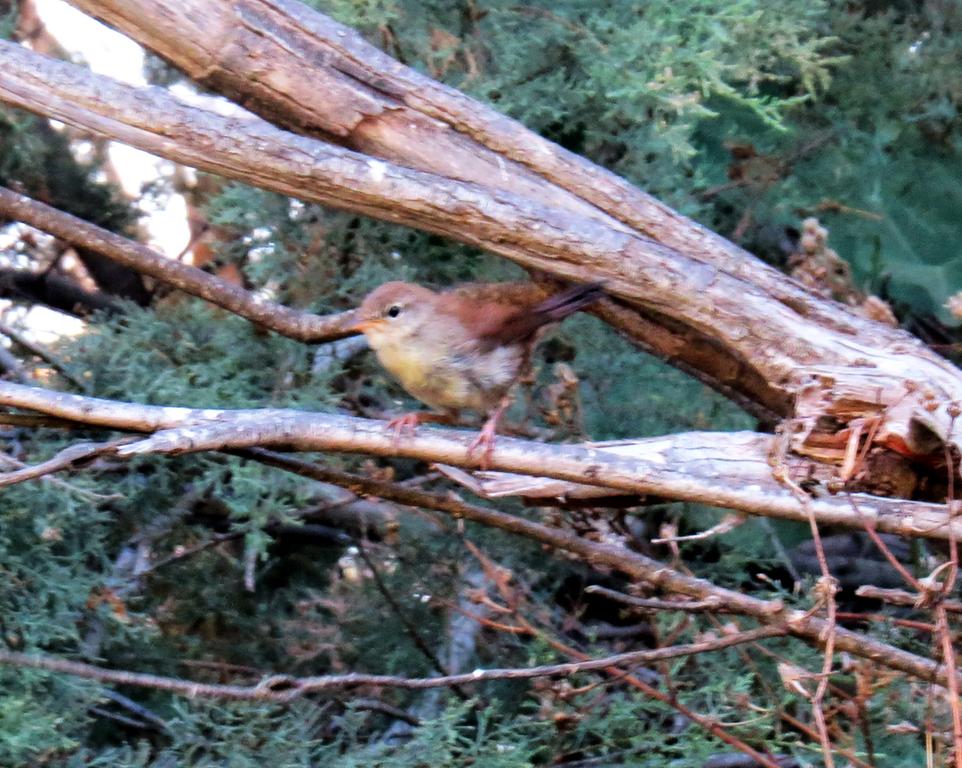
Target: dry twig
283	688
688	606
69	457
43	353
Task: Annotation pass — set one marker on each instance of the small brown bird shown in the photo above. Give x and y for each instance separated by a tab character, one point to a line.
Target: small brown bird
464	347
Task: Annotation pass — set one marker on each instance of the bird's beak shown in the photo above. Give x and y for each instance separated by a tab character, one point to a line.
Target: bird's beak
365	324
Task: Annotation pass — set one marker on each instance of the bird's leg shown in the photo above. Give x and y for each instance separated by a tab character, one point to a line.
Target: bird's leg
489	432
408	422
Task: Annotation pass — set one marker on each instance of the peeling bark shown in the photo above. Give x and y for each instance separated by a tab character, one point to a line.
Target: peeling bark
303	71
731	470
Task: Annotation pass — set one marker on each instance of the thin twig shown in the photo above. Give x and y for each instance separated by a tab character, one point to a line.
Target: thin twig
692	606
376	705
70	488
881	618
813	735
130	722
69	457
138	709
727	524
884	548
901	597
46	355
826	589
283	688
11	363
222	666
184	552
941	614
419	642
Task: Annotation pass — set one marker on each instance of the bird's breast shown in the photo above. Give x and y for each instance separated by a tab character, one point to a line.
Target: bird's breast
453	377
409	365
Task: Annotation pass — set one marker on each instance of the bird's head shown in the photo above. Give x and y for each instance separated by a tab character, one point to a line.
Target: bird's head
394	312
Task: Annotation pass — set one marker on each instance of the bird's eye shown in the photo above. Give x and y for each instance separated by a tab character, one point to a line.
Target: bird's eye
394	311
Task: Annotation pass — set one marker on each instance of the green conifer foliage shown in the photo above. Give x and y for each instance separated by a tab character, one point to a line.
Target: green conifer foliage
852	113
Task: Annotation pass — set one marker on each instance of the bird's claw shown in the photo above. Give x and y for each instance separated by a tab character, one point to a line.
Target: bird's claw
407	422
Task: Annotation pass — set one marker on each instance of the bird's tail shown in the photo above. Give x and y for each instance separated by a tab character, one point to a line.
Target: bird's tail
569	301
552	310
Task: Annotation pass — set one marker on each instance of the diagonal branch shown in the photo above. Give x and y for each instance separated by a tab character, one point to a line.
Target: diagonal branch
304	326
44	354
70	457
304	71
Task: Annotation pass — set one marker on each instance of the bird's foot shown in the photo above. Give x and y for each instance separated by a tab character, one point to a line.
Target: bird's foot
486	437
485	442
407	422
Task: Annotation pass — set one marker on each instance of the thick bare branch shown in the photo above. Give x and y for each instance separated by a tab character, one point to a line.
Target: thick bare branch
721	469
302	70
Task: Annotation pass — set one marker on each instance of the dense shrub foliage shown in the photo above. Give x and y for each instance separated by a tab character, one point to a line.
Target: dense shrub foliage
748	115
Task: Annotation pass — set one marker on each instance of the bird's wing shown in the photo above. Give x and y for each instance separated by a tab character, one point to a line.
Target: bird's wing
484	309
